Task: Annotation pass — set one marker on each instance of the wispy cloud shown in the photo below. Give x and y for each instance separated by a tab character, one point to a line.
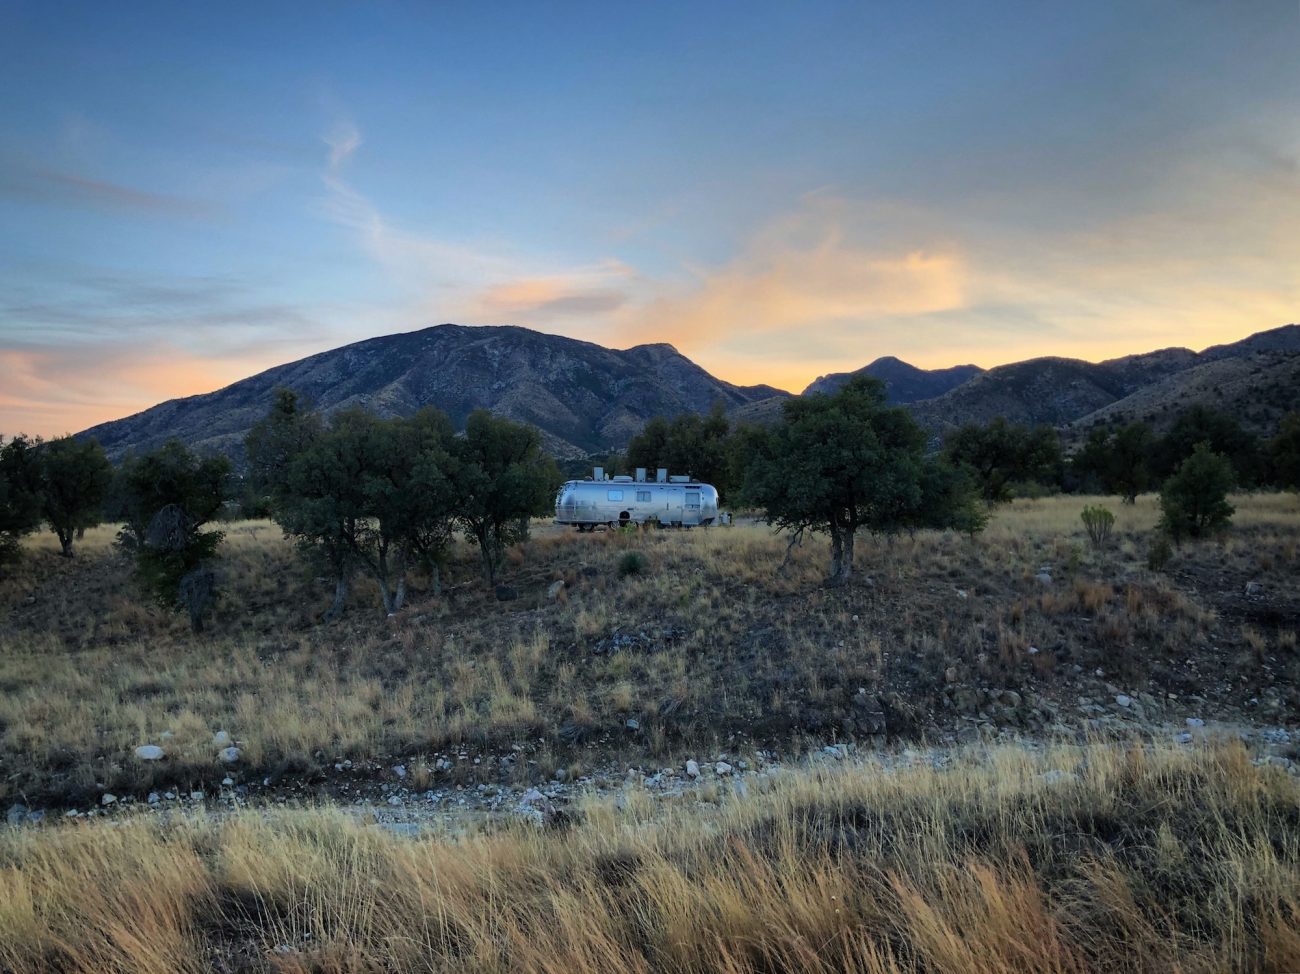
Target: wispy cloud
43	185
445	279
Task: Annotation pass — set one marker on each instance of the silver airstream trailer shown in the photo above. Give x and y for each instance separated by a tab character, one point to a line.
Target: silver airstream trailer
677	501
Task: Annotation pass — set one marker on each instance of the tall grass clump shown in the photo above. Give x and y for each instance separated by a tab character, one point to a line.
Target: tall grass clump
1069	860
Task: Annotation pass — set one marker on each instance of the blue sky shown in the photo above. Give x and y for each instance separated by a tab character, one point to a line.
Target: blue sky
191	193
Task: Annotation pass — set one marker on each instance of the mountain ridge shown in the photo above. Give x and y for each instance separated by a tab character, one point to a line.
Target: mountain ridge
587	398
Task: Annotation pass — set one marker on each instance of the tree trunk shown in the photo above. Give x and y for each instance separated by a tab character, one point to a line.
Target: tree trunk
65	543
485	548
837	552
341	586
846	560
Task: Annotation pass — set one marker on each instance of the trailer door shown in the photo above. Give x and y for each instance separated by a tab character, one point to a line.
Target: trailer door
692	513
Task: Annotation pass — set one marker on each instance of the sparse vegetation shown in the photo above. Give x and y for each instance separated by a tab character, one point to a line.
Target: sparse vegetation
1072	860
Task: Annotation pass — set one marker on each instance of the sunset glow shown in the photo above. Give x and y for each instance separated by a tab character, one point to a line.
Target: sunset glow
780	191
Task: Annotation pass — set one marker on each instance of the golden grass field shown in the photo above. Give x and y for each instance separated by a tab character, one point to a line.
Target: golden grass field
1109	848
1075	859
726	647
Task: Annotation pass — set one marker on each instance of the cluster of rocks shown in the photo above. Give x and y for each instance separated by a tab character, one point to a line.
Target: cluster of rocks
643	639
1000	708
227	753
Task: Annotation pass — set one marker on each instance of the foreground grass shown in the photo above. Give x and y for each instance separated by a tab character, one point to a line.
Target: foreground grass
1069	860
723	649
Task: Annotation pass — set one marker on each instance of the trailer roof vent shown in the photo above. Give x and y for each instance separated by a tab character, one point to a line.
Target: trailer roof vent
678	479
661	475
623	479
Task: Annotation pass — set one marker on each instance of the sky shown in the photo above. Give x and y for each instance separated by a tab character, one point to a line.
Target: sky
192	193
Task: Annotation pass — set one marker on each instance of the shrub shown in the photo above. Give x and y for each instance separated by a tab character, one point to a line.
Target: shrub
632	563
1195	499
1160	552
1098	522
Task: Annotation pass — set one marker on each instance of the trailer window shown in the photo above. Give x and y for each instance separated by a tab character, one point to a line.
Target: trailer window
692	498
642	495
614	495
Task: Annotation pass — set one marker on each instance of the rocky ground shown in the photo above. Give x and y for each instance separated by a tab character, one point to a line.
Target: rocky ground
488	790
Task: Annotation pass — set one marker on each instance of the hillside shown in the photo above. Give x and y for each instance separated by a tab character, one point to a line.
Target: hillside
583	397
904	383
1257	389
1064	392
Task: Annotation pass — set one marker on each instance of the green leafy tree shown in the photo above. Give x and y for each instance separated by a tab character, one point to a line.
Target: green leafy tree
502	480
1222	432
1284	453
20	494
144	484
365	494
1194	500
167	498
1001	455
839	463
409	499
1118	462
689	444
75	475
277	439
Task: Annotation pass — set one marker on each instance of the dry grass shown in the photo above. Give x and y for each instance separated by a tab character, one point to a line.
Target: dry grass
717	648
1069	860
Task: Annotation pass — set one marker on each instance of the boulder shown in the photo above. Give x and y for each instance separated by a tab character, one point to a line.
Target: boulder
229	755
555	589
150	752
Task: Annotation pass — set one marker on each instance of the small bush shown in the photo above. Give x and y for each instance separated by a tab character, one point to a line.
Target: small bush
1194	500
1160	552
632	563
1098	522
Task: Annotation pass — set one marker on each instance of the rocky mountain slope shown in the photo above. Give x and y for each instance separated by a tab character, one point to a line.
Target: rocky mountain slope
1258	389
586	398
904	383
583	397
1073	393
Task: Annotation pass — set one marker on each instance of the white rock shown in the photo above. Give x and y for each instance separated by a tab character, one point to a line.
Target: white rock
230	755
1195	722
221	739
530	796
400	770
227	781
198	796
1183	738
1123	699
154	798
150	752
1057	777
107	798
633	724
692	769
722	767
